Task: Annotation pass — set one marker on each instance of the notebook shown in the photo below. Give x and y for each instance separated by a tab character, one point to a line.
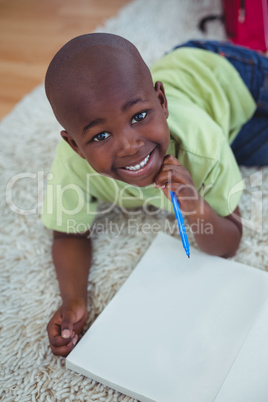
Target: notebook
182	330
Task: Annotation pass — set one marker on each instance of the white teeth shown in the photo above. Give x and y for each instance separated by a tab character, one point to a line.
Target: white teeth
140	165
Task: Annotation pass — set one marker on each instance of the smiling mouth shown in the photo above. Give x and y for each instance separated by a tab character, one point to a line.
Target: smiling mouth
139	165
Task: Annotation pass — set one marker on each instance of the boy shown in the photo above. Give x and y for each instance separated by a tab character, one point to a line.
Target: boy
118	143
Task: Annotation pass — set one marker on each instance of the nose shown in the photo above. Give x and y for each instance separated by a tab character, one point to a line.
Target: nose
128	143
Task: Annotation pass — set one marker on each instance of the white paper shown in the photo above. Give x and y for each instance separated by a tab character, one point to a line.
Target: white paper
175	327
247	380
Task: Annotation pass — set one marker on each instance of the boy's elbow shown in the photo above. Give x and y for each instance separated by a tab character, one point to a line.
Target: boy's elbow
232	252
61	235
236	234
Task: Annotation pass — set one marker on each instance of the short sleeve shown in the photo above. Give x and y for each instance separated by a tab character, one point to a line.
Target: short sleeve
68	206
223	185
204	151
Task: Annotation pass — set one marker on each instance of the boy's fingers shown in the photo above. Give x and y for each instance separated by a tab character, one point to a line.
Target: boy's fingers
169	176
68	320
64	350
171	170
170	159
66	333
59	341
53	327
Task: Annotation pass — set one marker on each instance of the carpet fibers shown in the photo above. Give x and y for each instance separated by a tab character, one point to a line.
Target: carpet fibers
29	290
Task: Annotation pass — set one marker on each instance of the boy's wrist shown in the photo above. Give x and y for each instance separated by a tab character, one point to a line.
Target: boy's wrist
75	293
193	207
74	300
201	213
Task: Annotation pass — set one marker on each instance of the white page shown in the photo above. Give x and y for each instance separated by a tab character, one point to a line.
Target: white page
173	330
247	380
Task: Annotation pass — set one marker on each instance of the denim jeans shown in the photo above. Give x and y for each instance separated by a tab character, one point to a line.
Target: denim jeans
250	146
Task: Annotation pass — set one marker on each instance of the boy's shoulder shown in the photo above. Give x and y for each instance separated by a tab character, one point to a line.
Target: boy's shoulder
69	167
192	59
197	81
66	157
65	153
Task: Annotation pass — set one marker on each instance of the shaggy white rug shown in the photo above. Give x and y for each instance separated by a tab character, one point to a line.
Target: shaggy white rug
29	290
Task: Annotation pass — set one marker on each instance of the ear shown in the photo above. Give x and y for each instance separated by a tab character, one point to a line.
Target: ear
69	139
160	93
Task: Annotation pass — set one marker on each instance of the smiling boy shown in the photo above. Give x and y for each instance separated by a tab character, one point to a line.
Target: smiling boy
118	137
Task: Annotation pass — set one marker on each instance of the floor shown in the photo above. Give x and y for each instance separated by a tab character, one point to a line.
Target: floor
31	31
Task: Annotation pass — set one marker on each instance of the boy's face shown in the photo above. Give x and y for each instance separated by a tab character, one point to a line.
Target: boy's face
120	130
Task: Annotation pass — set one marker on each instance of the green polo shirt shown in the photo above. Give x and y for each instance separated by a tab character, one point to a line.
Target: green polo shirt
208	103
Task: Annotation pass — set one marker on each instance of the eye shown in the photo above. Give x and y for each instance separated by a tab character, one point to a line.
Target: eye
101	136
138	117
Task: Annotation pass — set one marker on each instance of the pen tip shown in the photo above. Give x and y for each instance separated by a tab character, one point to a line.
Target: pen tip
188	255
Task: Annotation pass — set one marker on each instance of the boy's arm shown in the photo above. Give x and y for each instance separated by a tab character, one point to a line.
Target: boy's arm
218	235
72	258
224	233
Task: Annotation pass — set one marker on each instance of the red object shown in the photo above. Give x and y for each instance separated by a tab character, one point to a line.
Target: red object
246	22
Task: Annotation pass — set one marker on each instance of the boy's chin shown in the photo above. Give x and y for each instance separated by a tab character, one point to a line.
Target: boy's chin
141	183
145	182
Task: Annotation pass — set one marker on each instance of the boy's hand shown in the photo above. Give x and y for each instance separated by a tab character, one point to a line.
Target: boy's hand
174	177
65	326
224	233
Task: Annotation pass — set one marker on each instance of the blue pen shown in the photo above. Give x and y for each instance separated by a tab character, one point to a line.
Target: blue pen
179	218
